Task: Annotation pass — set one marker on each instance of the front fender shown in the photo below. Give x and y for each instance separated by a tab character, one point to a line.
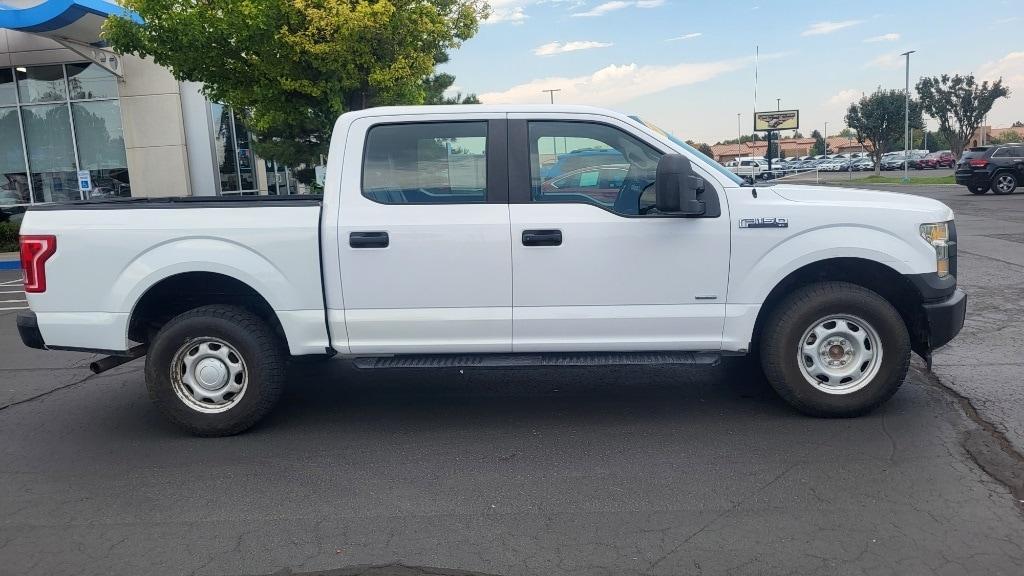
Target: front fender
754	276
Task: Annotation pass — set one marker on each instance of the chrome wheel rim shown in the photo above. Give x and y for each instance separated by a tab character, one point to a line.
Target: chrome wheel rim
1005	183
839	354
209	375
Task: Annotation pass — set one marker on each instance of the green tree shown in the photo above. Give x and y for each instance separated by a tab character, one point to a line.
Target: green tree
878	120
959	104
1017	124
291	67
1008	137
847	132
797	134
435	85
819	144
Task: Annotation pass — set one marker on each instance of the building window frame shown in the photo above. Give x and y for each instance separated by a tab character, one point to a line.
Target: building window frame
212	122
19	106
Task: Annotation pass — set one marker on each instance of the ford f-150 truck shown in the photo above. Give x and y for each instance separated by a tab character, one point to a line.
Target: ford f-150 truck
443	240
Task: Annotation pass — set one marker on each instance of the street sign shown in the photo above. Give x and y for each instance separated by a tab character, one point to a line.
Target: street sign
84	181
777	120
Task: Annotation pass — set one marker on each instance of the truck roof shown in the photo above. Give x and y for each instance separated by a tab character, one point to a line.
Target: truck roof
481	108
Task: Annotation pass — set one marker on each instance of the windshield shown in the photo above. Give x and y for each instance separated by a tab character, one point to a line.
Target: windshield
711	162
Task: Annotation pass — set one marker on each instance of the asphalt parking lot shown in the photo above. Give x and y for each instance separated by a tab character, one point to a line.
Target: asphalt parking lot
632	470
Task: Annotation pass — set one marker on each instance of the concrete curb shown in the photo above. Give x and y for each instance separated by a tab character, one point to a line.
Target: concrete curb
10	261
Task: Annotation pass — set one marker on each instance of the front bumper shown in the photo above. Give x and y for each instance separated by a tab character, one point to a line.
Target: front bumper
28	329
945	318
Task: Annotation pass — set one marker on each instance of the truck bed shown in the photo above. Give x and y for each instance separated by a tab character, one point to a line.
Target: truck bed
111	252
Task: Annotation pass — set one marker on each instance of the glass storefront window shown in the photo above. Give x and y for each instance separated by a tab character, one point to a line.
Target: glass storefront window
101	146
51	152
8	91
61	132
88	81
41	84
236	163
13	177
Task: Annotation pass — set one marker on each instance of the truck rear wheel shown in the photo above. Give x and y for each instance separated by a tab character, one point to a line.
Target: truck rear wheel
835	349
215	370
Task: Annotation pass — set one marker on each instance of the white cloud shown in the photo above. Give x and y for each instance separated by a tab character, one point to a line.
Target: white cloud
1011	69
602	9
686	36
890	37
890	61
843	98
828	27
614	83
560	48
510	14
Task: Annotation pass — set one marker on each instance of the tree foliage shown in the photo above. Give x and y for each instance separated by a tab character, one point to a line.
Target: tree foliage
959	104
819	144
1008	137
291	67
879	120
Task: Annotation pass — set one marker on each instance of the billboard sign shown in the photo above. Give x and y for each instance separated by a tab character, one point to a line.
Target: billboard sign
777	120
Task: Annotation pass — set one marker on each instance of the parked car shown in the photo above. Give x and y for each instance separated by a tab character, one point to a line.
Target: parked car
999	168
864	164
750	169
894	162
916	160
433	248
943	159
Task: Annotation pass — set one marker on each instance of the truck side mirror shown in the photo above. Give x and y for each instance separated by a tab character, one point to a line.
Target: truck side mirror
676	186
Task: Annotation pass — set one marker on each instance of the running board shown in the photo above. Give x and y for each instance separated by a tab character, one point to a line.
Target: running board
536	359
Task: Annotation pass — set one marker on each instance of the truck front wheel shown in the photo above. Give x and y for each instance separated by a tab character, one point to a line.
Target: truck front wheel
215	370
835	349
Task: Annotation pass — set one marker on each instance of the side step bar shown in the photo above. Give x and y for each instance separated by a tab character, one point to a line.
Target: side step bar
536	359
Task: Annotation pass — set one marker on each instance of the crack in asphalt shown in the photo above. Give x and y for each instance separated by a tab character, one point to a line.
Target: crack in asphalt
988	447
48	392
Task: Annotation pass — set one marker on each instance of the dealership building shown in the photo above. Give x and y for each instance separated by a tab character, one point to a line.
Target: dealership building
79	121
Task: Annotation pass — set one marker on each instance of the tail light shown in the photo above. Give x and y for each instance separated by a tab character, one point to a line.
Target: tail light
978	163
35	251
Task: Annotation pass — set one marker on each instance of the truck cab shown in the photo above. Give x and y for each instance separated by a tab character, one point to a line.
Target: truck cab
501	236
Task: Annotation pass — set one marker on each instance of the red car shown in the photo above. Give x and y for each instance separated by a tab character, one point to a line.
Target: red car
940	159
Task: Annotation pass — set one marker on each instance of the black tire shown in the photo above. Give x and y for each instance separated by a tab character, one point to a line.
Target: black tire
261	353
791	318
1004	183
979	190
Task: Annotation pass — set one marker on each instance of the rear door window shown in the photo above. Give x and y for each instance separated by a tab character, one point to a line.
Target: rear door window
426	163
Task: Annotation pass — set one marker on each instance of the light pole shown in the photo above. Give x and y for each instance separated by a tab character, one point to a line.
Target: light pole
906	120
778	104
551	92
824	139
738	132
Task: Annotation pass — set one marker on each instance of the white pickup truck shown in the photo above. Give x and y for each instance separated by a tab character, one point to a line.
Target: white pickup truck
497	236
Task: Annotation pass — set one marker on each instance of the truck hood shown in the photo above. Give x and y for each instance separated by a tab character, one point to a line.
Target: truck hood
860	198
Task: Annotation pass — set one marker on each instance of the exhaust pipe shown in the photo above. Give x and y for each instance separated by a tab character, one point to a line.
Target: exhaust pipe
104	364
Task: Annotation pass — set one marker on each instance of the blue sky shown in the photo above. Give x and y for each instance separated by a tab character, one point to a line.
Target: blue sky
688	65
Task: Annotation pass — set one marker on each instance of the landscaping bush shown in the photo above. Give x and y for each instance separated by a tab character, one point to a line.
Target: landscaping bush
9	236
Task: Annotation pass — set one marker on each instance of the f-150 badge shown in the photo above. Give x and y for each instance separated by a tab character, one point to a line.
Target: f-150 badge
764	223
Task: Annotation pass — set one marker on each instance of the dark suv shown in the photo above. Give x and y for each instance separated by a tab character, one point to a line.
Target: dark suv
999	167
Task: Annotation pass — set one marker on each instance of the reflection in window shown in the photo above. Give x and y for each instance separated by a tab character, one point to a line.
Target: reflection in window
41	84
13	177
8	91
51	153
88	81
48	133
235	161
591	164
436	163
101	146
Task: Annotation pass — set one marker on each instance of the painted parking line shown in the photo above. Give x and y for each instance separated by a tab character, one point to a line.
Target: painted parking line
11	282
11	291
12	301
15	308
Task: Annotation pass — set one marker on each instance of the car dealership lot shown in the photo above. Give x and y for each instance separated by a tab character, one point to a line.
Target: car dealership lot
632	470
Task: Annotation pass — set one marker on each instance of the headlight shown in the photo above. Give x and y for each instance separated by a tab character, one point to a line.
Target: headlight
937	235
